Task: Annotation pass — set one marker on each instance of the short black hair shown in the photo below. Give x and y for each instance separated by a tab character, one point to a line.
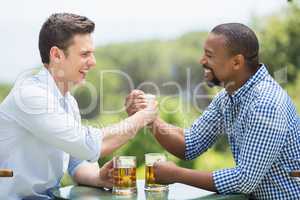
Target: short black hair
240	39
59	29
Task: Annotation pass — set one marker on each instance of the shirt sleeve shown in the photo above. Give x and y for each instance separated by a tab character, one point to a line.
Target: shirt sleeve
74	163
204	131
265	137
35	109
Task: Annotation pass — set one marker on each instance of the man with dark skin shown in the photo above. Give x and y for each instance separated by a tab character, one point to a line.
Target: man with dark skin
255	113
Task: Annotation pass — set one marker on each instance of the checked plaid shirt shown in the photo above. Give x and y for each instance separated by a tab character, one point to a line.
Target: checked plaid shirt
263	130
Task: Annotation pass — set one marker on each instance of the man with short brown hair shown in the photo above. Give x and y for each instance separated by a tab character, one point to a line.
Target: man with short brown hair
41	134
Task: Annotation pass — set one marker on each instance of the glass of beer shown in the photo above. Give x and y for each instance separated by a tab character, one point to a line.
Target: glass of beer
150	184
124	175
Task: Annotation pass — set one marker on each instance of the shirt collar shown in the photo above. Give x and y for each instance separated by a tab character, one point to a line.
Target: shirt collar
261	73
46	78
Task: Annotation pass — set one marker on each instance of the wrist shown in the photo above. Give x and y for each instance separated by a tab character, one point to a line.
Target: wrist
144	118
177	174
98	181
156	121
156	126
152	124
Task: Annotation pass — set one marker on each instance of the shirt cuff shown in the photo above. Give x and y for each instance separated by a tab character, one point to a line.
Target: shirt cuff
74	164
94	141
226	181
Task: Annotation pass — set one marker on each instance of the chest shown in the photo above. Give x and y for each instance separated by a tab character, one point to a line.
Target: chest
71	108
235	123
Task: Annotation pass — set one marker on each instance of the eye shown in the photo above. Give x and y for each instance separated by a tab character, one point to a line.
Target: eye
85	54
208	55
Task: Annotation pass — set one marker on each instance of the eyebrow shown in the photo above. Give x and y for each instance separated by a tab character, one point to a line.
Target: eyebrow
87	51
208	51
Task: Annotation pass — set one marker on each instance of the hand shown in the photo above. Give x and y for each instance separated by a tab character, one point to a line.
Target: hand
105	175
165	172
149	113
135	101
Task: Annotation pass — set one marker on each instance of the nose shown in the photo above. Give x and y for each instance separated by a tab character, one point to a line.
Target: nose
203	60
92	61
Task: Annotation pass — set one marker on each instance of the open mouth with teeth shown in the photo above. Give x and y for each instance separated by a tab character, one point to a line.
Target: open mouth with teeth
83	72
207	72
210	77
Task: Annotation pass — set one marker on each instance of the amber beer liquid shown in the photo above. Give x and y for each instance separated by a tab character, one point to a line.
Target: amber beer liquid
150	184
124	175
6	173
150	180
124	178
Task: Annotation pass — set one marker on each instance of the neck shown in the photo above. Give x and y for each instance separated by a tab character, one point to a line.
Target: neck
62	85
239	80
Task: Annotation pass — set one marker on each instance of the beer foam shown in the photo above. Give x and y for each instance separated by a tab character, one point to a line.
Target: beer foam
125	162
151	158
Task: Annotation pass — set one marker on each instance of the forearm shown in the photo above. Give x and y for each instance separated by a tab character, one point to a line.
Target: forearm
120	133
203	180
170	137
88	174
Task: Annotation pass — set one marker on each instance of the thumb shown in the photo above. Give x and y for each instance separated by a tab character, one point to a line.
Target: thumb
109	164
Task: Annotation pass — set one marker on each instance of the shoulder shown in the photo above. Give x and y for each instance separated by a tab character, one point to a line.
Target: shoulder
32	95
268	94
218	100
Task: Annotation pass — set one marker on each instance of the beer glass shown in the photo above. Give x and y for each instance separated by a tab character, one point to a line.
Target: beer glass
6	173
150	184
124	175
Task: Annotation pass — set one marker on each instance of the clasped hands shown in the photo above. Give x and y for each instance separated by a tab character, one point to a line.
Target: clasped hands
137	100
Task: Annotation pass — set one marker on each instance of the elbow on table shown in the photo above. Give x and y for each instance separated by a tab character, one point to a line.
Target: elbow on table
247	185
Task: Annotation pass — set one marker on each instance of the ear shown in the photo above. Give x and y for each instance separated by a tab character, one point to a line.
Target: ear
238	61
55	54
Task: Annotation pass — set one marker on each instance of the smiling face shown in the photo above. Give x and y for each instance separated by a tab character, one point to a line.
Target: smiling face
216	61
78	59
71	66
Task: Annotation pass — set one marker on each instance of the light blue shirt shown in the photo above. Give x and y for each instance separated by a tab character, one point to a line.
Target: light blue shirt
41	136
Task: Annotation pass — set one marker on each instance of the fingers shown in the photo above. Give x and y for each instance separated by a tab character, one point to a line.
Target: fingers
135	101
135	94
137	106
155	165
109	183
155	170
106	169
110	173
108	165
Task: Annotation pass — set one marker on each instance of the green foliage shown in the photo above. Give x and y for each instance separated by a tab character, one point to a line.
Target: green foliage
280	43
177	60
4	90
294	90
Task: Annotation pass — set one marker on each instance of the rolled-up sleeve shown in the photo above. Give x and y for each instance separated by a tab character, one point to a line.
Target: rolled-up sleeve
265	137
204	131
94	142
74	163
36	111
